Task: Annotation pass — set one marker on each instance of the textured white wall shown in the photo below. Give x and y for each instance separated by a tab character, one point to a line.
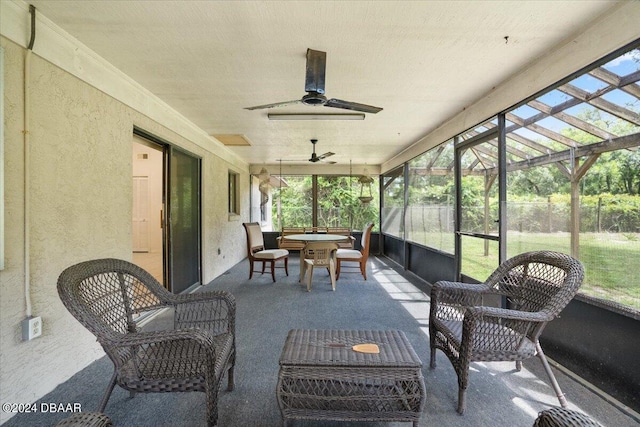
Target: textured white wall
81	207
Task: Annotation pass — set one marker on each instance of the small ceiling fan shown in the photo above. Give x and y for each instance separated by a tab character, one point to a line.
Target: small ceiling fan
314	86
321	158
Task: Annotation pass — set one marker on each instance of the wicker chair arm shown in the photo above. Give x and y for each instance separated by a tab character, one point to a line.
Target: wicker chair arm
504	313
463	294
214	311
225	296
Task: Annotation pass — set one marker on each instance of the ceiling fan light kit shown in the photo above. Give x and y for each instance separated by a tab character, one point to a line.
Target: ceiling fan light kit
315	116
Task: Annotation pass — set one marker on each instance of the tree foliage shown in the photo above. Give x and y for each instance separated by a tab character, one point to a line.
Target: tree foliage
338	202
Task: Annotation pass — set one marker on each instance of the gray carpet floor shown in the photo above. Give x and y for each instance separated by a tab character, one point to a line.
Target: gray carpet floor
266	311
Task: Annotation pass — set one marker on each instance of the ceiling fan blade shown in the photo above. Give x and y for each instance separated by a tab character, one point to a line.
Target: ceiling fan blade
325	155
328	162
347	105
316	66
277	104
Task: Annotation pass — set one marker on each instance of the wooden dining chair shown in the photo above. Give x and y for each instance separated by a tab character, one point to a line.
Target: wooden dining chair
356	256
257	252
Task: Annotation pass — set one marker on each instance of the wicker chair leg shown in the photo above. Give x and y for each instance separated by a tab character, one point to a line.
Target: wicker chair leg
462	392
230	378
552	378
212	414
212	405
432	363
518	365
461	366
107	393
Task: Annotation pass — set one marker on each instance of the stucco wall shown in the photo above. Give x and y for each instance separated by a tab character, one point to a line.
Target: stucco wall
81	207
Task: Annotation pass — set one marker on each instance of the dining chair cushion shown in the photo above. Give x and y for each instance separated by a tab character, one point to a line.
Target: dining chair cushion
270	253
348	253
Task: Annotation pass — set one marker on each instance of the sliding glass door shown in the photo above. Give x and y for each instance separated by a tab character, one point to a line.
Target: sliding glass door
184	220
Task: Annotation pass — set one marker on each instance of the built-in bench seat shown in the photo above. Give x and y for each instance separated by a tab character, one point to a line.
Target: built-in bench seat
344	231
290	245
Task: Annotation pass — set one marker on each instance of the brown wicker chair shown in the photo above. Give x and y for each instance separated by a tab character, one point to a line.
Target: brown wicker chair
106	296
257	252
353	255
536	285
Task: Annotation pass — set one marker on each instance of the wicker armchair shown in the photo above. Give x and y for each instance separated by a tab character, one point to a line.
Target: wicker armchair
536	285
107	295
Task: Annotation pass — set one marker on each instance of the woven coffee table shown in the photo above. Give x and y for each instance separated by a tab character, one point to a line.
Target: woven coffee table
322	377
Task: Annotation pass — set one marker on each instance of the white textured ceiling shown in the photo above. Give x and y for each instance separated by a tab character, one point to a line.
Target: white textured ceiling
422	61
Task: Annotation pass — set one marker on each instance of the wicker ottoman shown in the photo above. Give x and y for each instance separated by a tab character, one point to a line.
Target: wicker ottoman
321	377
86	419
560	417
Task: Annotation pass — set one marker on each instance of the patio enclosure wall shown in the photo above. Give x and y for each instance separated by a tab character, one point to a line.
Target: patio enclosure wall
83	111
559	171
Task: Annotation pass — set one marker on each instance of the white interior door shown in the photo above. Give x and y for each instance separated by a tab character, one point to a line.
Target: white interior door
140	214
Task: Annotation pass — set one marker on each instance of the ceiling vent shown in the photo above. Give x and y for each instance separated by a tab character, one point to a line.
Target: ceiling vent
232	140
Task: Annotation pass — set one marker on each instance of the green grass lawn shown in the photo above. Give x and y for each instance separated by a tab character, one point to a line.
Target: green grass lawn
611	260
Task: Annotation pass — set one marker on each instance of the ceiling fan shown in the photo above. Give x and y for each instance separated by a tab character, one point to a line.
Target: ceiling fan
321	158
314	86
314	157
